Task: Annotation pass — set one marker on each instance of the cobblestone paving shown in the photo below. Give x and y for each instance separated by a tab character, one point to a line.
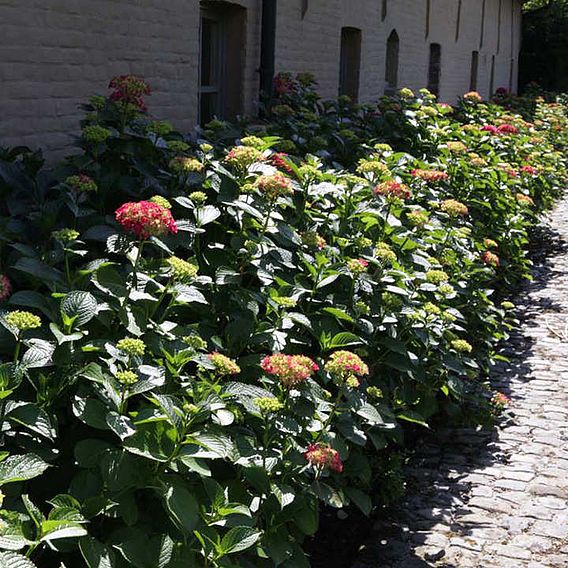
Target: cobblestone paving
500	499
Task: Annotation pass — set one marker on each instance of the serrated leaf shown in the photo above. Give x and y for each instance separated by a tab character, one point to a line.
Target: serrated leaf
182	507
239	539
21	468
96	555
79	306
14	560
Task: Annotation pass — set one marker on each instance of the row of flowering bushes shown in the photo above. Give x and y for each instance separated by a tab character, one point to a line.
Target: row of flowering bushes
201	343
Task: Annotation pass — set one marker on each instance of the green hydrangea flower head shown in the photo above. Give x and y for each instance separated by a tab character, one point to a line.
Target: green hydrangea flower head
392	302
446	289
162	201
184	165
432	309
159	127
65	235
205	148
375	392
22	320
462	346
223	365
268	405
436	276
385	253
253	142
131	346
508	305
198	197
126	378
195	342
97	102
96	134
177	146
362	308
181	269
285	302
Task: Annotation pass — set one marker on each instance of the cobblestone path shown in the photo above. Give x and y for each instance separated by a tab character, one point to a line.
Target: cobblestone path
500	499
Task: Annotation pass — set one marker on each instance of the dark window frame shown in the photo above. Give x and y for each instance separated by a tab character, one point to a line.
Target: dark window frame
350	62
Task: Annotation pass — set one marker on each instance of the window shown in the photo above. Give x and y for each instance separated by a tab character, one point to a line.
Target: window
350	62
474	70
391	67
435	68
427	26
384	10
222	60
492	78
458	20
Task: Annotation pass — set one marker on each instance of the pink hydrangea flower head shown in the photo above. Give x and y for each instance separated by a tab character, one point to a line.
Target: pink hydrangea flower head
393	189
5	287
344	364
323	456
430	175
291	370
146	219
490	259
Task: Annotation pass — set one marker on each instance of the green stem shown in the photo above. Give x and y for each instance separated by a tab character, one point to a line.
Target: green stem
17	350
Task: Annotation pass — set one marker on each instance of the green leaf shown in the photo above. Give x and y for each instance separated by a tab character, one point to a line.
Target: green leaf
54	530
79	306
239	539
182	507
39	354
327	281
40	270
34	513
206	215
344	339
21	468
15	560
96	555
362	500
339	314
414	417
32	417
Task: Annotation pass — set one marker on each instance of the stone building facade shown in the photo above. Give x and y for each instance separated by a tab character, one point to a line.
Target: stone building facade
204	57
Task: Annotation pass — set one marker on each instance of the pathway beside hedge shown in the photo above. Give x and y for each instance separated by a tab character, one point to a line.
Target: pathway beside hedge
500	499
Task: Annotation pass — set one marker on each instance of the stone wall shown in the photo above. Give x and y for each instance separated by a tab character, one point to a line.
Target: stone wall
55	53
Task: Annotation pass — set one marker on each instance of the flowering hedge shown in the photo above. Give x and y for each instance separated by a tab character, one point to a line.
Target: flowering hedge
202	343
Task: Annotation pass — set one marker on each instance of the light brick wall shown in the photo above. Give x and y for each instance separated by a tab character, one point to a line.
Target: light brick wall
56	53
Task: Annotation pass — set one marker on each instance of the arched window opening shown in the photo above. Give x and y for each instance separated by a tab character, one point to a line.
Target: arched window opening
384	10
222	56
435	68
427	26
350	62
474	70
391	68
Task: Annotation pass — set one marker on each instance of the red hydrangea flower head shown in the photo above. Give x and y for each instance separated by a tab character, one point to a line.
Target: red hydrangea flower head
283	84
146	219
129	89
430	175
507	129
323	456
291	370
393	189
530	170
279	161
5	287
490	128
